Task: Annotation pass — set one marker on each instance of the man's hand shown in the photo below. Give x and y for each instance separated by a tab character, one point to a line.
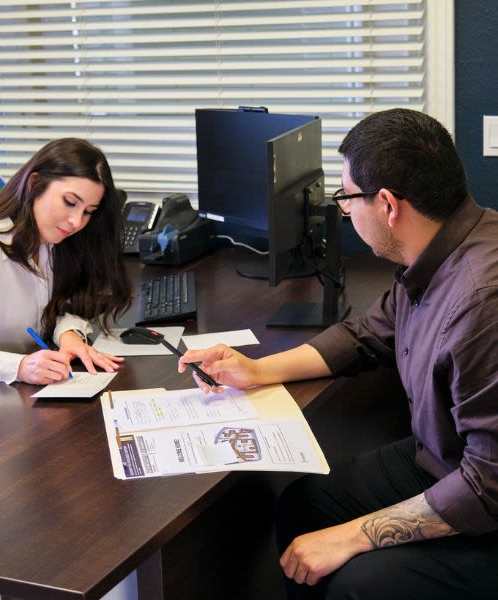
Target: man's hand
314	555
223	364
44	367
229	367
71	344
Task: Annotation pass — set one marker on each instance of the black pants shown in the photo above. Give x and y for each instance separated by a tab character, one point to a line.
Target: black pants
454	567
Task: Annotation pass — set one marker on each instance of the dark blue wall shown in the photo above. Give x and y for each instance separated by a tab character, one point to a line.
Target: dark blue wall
476	92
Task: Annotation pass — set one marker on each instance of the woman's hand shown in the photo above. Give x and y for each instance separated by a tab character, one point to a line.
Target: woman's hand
225	365
44	367
72	344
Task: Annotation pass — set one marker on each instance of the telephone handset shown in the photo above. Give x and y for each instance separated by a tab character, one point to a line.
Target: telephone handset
139	217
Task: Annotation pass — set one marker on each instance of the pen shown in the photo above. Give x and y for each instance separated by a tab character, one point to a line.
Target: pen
41	343
201	374
149	336
154	337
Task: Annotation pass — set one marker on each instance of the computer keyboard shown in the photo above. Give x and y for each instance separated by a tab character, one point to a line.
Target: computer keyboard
170	297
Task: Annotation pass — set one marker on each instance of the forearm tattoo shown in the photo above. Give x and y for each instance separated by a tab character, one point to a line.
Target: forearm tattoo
410	521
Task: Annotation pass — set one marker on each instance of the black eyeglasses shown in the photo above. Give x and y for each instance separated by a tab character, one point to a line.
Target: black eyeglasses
343	200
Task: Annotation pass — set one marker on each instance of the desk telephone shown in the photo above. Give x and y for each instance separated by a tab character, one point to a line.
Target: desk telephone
164	235
138	217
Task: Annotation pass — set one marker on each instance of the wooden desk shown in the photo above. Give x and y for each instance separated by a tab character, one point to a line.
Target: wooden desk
68	529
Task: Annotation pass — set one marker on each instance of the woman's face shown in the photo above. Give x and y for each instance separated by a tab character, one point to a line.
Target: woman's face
65	207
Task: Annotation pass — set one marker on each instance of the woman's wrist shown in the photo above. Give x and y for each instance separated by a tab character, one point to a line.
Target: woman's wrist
75	333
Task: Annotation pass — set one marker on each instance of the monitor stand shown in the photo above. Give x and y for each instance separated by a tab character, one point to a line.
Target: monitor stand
334	307
310	314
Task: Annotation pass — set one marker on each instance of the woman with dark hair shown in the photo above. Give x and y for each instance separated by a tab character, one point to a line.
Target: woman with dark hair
60	262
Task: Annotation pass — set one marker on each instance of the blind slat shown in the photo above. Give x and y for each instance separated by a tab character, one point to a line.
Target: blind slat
139	67
213	81
180	9
193	7
81	35
213	95
190	108
85	26
241	49
330	61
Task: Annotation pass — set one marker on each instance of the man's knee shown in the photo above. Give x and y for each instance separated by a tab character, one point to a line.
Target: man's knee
361	578
348	584
406	572
369	576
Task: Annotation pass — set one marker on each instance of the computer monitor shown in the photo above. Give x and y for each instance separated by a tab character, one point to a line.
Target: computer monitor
295	159
304	227
262	173
233	167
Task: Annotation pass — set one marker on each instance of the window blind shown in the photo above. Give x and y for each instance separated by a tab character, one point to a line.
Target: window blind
128	75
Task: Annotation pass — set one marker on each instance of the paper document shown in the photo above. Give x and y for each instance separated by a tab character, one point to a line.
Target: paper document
112	344
82	385
243	337
155	433
148	409
242	446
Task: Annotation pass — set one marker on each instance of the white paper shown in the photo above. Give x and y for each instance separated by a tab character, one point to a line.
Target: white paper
82	385
153	409
113	345
245	445
243	337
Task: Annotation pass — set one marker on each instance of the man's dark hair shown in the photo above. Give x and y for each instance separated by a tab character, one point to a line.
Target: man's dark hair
410	153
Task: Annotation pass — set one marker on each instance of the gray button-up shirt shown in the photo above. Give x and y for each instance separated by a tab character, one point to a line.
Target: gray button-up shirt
439	323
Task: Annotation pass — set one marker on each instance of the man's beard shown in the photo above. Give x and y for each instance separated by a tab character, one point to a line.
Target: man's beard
388	247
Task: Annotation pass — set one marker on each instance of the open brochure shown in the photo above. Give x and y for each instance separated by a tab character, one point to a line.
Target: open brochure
157	432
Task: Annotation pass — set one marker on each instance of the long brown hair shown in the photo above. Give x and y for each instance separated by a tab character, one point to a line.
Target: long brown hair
89	276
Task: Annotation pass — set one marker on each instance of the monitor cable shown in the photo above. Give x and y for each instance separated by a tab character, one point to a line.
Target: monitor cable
321	273
234	243
339	282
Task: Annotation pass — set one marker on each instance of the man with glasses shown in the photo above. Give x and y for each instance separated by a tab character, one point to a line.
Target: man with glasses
417	518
